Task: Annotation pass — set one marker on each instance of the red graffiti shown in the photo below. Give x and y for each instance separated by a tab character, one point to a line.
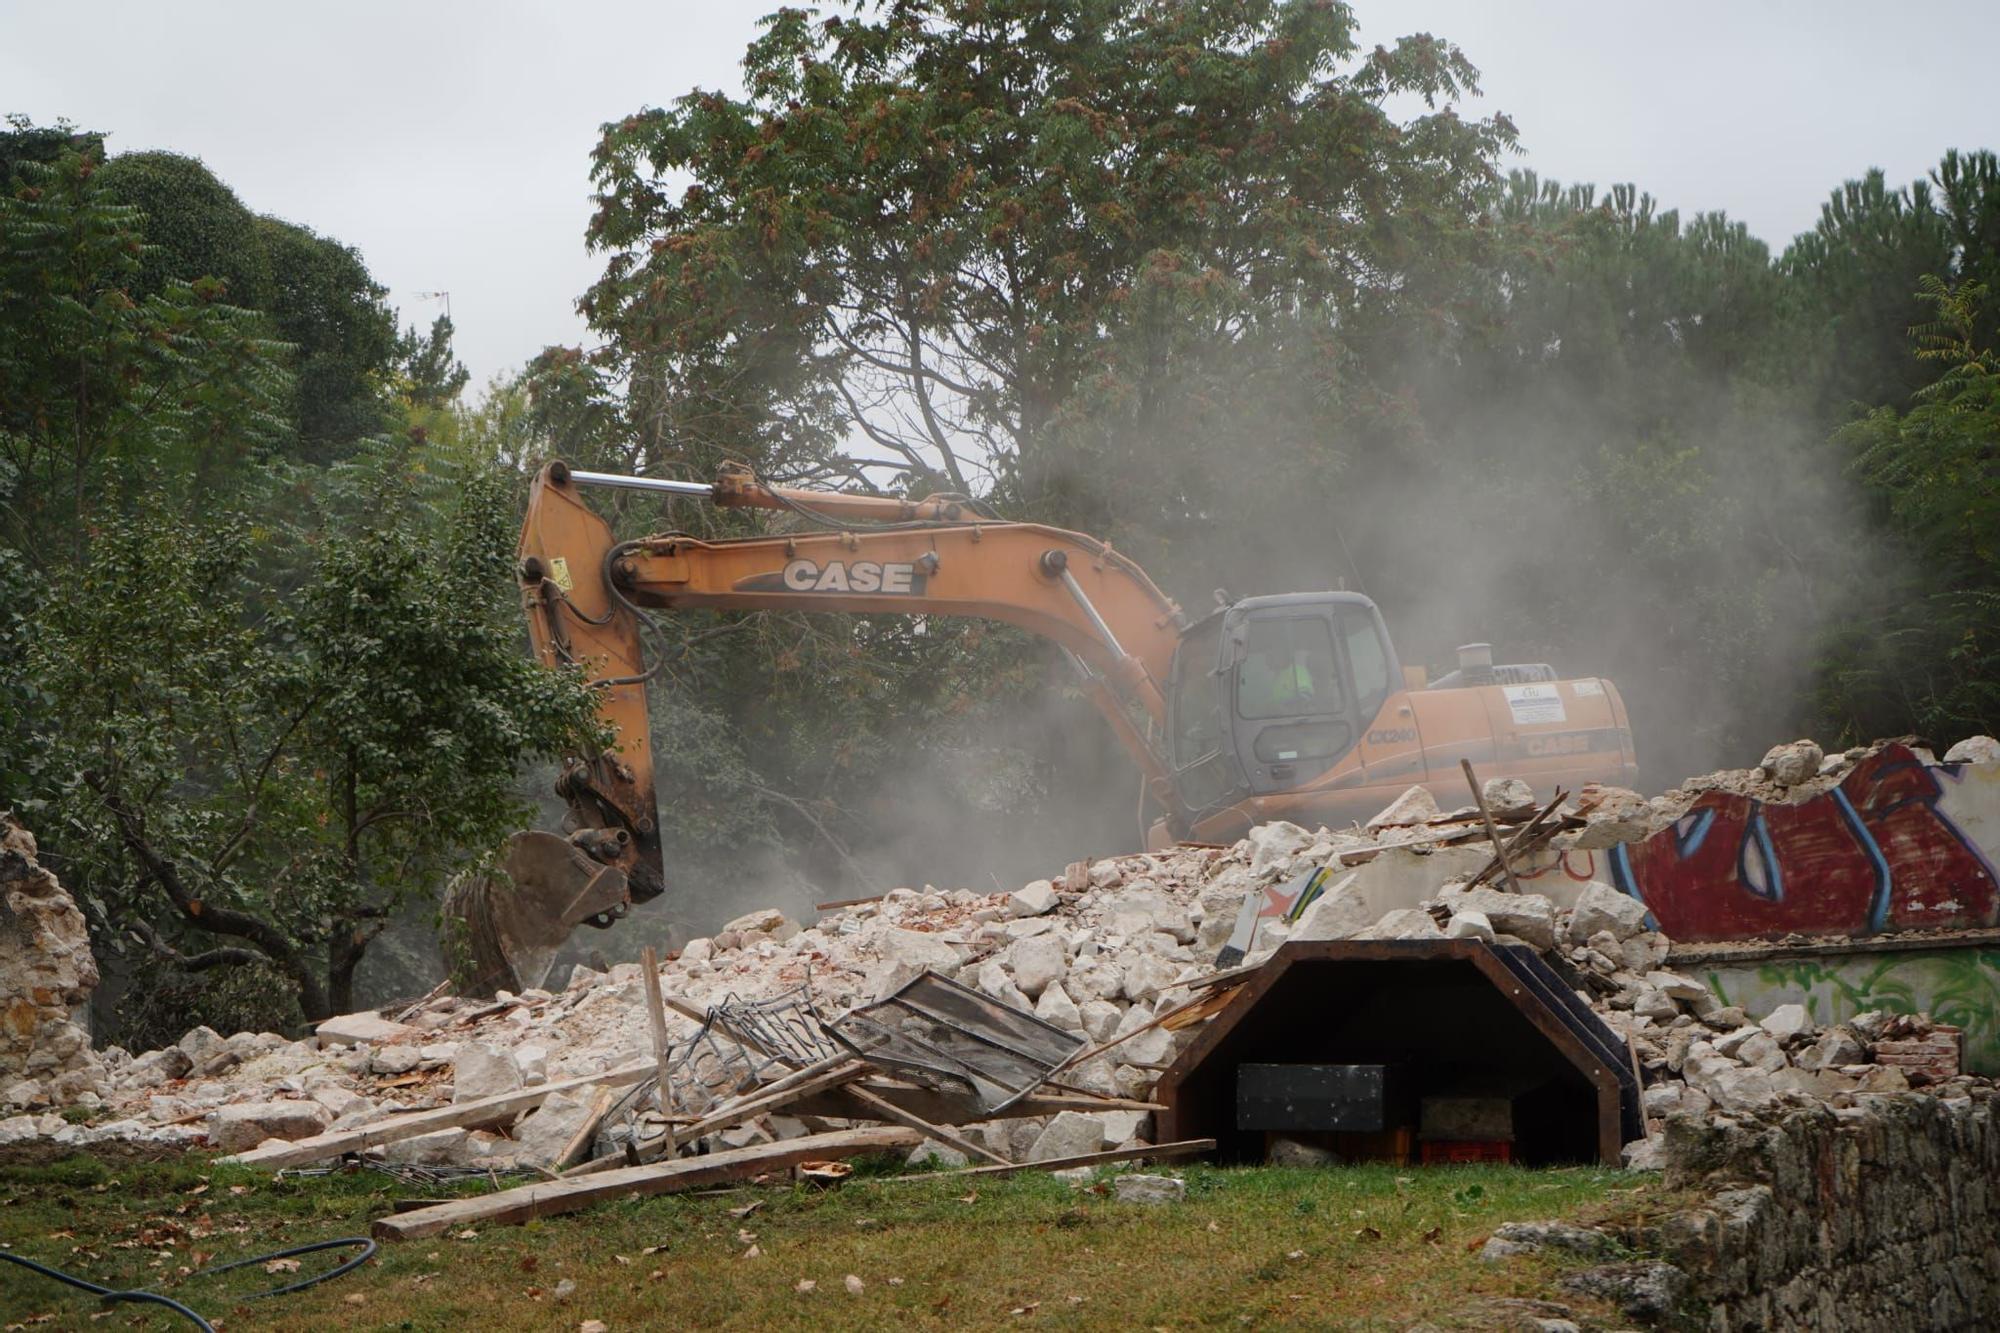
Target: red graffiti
1874	854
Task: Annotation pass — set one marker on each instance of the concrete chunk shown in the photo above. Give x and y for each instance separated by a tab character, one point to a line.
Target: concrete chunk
349	1029
483	1071
244	1125
1034	899
1070	1134
1602	908
1150	1189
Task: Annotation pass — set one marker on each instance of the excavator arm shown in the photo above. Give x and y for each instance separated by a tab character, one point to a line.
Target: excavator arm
585	594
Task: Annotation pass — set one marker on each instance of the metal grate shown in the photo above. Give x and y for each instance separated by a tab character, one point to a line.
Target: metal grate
937	1029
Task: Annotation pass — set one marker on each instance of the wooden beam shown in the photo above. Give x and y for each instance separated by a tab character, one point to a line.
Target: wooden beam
528	1202
579	1142
943	1109
483	1110
800	1083
1499	847
881	1108
1184	1148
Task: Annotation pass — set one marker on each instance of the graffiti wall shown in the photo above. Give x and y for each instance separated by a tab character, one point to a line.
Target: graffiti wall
1900	844
1957	986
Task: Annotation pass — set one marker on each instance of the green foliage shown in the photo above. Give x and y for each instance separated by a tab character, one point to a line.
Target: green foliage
181	387
195	227
277	733
1925	657
325	303
429	377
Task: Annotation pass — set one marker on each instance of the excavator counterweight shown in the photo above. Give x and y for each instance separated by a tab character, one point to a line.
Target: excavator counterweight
1282	707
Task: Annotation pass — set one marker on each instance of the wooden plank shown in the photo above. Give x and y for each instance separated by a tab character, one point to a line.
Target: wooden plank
884	1109
527	1202
1160	1151
656	1019
1499	847
943	1109
830	1072
409	1125
600	1107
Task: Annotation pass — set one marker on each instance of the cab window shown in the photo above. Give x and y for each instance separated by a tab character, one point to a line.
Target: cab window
1288	670
1198	697
1368	656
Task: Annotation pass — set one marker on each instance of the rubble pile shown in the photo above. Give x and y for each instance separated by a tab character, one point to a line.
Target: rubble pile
1106	950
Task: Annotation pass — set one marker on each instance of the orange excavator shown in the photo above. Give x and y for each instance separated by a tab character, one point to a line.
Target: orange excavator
1290	707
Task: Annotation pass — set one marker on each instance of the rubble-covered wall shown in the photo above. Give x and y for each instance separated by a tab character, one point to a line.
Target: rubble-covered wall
1959	986
1882	1215
46	976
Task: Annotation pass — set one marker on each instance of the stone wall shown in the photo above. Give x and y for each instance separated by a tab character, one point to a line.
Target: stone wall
1884	1215
46	976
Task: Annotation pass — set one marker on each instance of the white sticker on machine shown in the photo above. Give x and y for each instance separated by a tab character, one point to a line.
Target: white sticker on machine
1586	689
1535	703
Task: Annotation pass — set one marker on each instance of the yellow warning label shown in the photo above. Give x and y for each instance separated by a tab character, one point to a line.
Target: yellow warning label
559	571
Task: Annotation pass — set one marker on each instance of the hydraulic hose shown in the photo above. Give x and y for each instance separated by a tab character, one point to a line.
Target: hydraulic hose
112	1296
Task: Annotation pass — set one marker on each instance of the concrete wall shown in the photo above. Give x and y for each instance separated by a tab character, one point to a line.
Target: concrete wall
1959	986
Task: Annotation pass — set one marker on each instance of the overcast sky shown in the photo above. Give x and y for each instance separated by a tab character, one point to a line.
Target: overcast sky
449	142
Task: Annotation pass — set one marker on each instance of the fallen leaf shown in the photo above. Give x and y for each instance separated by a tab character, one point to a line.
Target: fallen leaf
745	1236
753	1253
1367	1233
468	1234
593	1326
656	1275
654	1249
1295	1254
281	1266
854	1284
746	1209
198	1189
621	1258
806	1284
1433	1236
529	1263
239	1189
358	1298
969	1198
895	1282
1029	1308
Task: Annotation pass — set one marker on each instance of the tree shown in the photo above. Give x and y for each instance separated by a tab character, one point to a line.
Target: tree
195	227
1924	654
180	386
326	304
429	377
269	737
936	231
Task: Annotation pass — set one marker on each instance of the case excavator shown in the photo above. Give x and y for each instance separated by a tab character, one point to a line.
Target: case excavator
1292	706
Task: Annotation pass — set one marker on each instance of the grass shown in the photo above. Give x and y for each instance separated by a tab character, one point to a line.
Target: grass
1353	1247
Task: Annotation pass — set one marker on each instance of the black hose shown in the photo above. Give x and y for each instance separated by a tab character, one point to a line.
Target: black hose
112	1296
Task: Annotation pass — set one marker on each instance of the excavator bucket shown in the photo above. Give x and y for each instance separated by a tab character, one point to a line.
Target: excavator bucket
504	923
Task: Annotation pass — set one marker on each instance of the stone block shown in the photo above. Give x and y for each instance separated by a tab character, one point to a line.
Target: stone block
1068	1134
243	1125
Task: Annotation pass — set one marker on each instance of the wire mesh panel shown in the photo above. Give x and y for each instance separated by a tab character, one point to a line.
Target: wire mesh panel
937	1029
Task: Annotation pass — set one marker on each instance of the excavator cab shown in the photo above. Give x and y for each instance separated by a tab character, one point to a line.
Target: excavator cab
1271	692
